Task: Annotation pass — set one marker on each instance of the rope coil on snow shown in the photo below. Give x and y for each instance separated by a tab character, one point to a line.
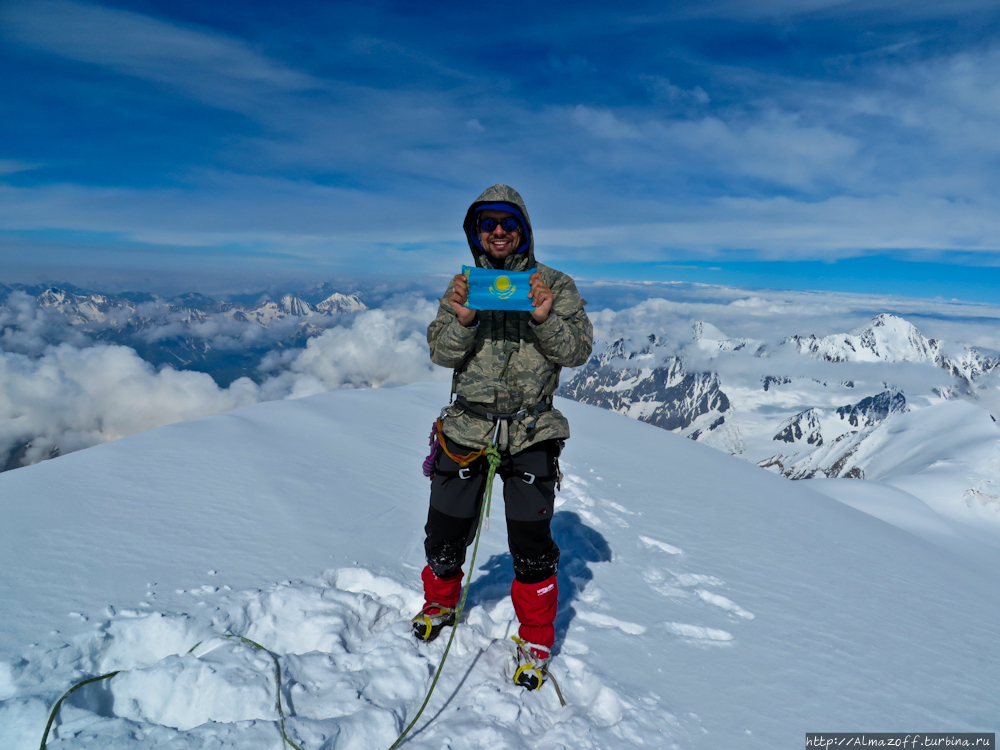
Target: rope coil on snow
242	639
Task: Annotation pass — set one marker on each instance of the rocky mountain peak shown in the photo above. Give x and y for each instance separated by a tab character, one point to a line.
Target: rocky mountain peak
292	305
873	409
338	303
886	338
804	427
706	331
892	339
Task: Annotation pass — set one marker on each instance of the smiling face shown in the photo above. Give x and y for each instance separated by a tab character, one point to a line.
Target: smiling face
499	243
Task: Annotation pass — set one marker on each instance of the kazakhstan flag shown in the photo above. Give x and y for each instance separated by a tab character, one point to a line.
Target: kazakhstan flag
498	290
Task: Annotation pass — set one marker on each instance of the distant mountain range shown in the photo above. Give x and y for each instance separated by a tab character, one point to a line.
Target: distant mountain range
226	339
791	423
843	405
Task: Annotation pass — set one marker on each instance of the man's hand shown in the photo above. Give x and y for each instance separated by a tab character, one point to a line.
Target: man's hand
541	297
458	298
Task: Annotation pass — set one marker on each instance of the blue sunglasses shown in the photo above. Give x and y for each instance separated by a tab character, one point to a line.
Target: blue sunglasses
488	224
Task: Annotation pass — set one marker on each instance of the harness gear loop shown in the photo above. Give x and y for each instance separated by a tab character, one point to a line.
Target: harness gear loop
462	459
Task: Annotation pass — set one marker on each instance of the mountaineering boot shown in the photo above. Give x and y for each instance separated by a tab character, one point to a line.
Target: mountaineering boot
532	664
441	595
535	605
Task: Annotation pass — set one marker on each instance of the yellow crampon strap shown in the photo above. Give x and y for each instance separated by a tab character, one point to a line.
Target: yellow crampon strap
531	671
524	651
424	618
530	668
428	625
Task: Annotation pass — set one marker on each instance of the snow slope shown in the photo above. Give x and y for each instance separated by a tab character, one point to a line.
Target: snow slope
705	603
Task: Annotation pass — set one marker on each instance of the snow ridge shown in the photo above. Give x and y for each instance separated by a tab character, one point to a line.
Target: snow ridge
699	596
352	673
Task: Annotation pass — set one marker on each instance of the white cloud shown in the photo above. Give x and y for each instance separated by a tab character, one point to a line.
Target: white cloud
12	166
70	398
26	328
382	347
61	397
58	391
899	158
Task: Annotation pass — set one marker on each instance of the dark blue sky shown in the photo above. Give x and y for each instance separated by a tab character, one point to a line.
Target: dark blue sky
224	142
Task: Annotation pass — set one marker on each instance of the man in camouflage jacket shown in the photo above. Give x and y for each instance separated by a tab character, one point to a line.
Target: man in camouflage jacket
505	363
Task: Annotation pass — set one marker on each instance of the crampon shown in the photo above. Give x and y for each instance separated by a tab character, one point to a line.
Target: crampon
532	664
428	623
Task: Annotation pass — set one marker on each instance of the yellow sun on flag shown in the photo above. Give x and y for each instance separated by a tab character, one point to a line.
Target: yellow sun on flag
502	287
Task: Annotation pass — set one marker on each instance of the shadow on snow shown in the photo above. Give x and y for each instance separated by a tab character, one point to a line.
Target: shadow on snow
580	546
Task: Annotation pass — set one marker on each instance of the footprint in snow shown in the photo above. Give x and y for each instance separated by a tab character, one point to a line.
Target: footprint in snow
724	603
699	633
352	675
606	621
657	544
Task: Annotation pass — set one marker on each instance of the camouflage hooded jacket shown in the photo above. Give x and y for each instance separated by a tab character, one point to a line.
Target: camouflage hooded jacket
506	361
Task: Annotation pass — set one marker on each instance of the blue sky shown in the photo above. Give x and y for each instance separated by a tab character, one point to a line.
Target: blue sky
813	144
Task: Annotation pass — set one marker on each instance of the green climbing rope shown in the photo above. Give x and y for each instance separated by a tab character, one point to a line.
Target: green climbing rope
55	708
493	456
246	641
277	685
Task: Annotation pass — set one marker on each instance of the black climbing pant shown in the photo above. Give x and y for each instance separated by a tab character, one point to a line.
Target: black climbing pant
529	484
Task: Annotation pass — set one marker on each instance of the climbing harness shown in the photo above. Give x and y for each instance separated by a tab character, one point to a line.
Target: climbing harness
470	466
439	444
481	411
246	641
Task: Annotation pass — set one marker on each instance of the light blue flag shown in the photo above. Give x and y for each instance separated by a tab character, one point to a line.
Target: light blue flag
498	290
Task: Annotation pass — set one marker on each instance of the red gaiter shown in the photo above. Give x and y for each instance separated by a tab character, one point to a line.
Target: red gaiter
535	605
444	591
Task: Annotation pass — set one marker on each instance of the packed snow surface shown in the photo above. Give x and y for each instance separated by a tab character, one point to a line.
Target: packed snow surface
704	602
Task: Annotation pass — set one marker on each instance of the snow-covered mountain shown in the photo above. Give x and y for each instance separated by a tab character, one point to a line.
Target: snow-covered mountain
645	388
225	339
102	310
704	602
763	405
887	338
